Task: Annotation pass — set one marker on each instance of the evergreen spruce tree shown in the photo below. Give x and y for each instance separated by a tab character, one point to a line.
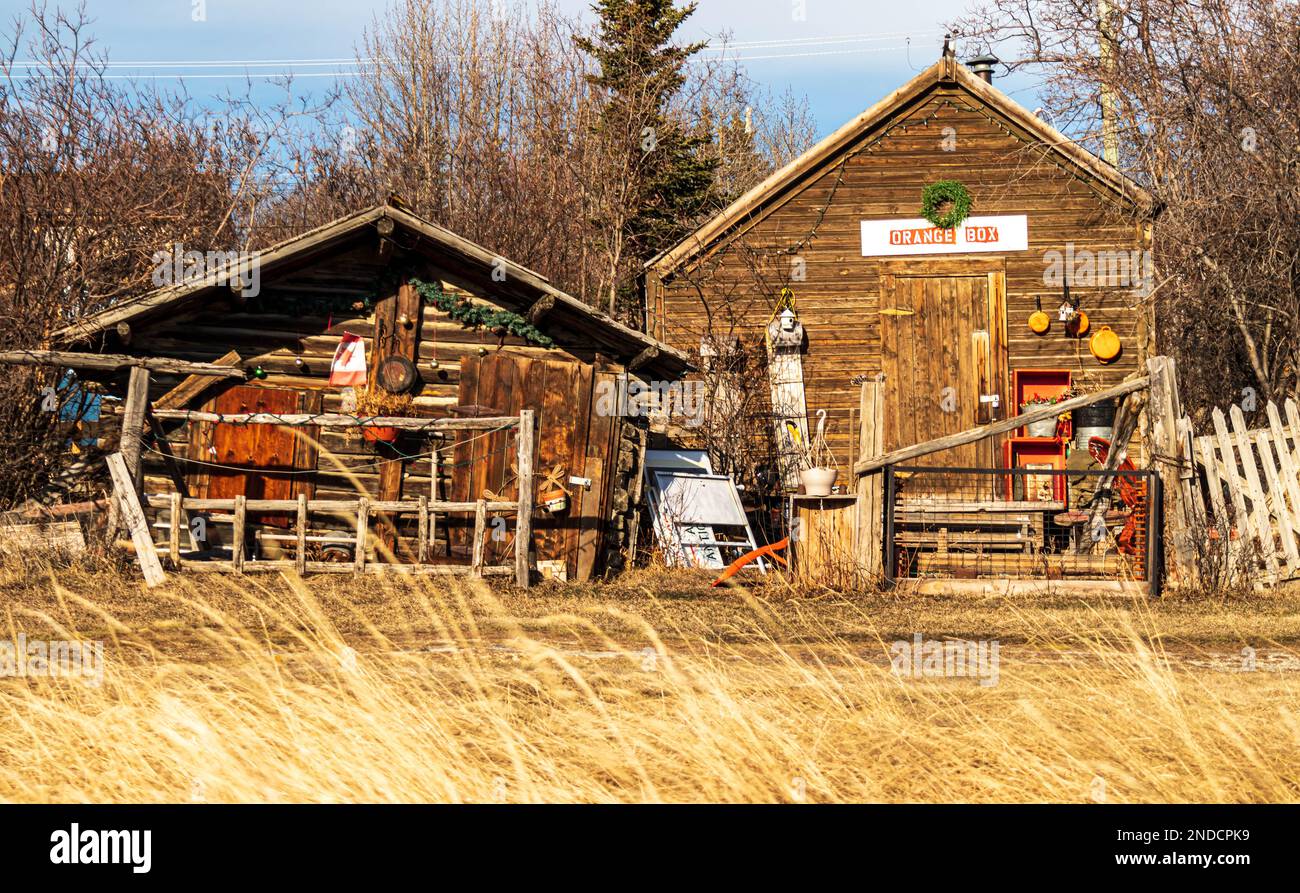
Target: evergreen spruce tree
660	175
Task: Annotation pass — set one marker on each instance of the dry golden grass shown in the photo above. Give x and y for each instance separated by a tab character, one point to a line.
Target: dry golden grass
229	689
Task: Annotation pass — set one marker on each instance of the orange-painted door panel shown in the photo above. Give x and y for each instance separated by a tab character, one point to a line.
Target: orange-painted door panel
262	456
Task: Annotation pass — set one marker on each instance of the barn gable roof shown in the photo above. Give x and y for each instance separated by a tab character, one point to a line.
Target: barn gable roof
518	290
755	203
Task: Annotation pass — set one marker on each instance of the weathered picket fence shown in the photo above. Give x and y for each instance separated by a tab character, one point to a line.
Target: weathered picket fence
1252	478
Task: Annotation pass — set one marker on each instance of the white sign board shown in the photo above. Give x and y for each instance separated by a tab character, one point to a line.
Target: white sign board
700	499
893	238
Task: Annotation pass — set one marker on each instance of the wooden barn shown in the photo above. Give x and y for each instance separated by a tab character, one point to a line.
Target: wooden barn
828	273
929	283
457	375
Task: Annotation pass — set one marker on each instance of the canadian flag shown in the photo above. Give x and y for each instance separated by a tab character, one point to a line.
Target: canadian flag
349	365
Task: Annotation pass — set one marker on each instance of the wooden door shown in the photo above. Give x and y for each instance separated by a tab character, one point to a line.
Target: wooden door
943	347
256	461
560	393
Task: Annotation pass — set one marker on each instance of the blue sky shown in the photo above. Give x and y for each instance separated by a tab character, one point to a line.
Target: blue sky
843	54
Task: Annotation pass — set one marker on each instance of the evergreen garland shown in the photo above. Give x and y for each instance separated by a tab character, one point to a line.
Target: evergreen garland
936	194
473	315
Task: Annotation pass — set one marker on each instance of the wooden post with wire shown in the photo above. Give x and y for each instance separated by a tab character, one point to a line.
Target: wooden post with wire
174	530
133	421
871	443
237	537
1163	412
300	559
480	528
524	521
363	523
435	468
422	547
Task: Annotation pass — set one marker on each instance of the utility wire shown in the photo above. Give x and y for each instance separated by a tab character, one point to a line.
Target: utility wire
356	67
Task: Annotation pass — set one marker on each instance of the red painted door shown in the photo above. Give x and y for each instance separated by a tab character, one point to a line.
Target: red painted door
258	460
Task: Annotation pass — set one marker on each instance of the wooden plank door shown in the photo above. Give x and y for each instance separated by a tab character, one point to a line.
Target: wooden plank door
940	353
258	461
560	392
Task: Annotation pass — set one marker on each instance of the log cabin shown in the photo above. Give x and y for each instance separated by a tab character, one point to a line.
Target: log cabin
450	331
828	274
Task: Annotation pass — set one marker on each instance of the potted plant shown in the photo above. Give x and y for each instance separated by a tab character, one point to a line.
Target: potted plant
1044	427
820	468
374	402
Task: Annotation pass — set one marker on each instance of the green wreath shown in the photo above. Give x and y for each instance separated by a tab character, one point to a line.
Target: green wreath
936	194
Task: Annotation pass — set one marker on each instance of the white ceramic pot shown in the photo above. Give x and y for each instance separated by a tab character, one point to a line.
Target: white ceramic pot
818	481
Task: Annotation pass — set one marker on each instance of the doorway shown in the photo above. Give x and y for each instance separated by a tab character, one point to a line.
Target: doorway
943	352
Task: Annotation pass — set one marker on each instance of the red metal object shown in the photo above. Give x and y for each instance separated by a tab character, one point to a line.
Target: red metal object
1132	539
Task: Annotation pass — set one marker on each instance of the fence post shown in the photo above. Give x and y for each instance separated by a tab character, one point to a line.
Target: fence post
1155	534
887	550
524	519
363	526
137	401
300	528
237	537
871	443
480	529
1166	447
132	437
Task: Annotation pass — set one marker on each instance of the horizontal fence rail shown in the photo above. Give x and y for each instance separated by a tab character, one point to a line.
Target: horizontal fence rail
340	420
401	507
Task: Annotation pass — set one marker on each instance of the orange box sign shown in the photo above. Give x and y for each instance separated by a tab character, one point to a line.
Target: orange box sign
891	238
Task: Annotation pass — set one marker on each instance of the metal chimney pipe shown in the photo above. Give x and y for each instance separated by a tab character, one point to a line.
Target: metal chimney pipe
982	66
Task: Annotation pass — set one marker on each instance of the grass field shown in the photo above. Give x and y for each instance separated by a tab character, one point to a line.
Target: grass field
656	688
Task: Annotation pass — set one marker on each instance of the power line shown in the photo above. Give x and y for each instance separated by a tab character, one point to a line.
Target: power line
775	43
822	53
844	38
360	71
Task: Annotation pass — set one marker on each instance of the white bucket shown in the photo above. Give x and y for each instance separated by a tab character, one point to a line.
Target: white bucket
1044	428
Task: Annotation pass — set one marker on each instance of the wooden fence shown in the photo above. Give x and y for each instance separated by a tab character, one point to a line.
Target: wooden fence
126	498
1154	392
1252	478
361	509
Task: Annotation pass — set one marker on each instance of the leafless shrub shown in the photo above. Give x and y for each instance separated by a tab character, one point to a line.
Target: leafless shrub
1206	100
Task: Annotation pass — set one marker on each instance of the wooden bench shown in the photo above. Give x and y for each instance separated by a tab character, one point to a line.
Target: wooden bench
984	526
